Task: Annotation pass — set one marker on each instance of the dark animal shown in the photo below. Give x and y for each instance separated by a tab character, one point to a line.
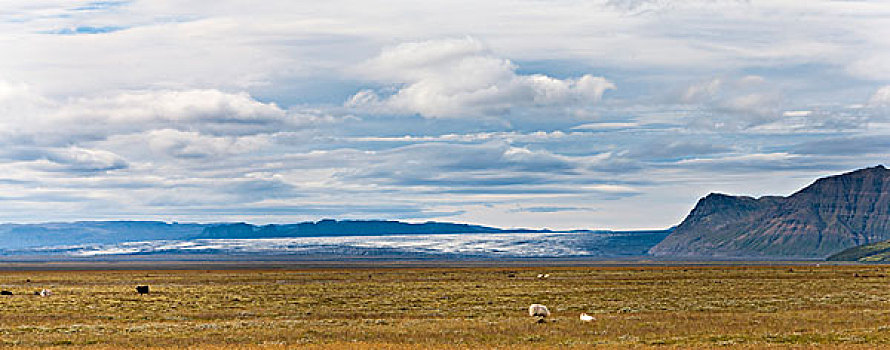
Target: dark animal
5	292
142	289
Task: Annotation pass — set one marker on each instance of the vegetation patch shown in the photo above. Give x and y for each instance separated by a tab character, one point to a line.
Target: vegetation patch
638	307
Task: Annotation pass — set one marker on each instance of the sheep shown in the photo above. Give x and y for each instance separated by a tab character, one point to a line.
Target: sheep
538	310
142	289
45	293
543	276
586	318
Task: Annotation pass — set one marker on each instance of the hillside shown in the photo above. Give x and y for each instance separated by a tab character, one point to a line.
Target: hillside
830	215
875	252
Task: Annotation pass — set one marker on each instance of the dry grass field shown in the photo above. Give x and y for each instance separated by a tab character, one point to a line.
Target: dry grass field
443	308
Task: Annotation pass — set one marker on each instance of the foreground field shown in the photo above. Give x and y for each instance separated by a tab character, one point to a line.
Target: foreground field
689	306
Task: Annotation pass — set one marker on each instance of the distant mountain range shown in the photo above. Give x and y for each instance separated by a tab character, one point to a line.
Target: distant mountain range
325	239
830	215
328	228
17	236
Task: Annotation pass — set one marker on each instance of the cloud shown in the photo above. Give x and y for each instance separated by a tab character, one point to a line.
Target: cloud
662	150
72	159
17	100
191	144
846	146
638	5
212	112
797	113
733	103
547	209
213	109
756	163
445	165
881	98
745	95
872	66
460	78
607	126
86	160
85	30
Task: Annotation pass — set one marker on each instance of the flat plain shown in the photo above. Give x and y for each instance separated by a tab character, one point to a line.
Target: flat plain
662	306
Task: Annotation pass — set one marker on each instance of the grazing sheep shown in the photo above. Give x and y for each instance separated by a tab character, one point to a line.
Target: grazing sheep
538	310
586	318
543	276
45	293
142	289
5	292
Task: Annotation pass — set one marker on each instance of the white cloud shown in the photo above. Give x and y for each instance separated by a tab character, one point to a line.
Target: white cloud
190	144
702	91
607	126
209	108
881	97
747	94
611	188
76	159
64	121
459	78
734	103
797	113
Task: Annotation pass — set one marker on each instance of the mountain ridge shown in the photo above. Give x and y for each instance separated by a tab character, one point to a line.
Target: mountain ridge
324	239
17	236
831	214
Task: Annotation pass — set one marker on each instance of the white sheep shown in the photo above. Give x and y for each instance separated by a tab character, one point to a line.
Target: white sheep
586	318
46	293
538	310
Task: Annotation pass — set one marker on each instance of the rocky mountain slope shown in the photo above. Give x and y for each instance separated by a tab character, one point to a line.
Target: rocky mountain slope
830	215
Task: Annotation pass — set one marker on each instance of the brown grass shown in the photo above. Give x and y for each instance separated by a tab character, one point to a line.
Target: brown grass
440	308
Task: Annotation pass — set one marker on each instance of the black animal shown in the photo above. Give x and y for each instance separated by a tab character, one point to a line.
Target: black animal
142	289
5	292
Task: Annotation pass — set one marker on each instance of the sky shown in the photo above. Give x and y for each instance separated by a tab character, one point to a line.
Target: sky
615	114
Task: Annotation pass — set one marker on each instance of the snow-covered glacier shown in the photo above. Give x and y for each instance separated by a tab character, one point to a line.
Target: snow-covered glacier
462	245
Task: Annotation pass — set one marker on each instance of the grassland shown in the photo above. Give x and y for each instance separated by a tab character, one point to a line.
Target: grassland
635	307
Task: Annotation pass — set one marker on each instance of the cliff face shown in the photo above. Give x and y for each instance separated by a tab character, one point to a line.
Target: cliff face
830	215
